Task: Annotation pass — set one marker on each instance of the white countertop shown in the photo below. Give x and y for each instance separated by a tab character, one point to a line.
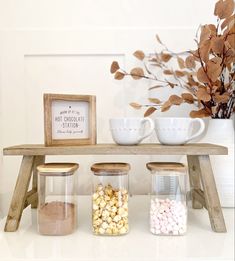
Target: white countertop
200	243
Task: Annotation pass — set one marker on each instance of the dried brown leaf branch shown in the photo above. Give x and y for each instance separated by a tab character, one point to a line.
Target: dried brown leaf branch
207	74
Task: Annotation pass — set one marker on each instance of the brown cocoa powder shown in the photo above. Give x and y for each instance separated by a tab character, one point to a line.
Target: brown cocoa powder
57	218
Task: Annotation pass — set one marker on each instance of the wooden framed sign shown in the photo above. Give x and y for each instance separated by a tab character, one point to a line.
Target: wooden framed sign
69	119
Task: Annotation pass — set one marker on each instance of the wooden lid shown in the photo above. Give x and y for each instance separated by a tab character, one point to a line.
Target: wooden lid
117	168
57	169
166	166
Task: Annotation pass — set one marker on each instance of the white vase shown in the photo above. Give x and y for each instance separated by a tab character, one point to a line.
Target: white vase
221	132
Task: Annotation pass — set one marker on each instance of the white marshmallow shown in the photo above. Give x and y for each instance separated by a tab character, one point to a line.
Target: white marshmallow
167	217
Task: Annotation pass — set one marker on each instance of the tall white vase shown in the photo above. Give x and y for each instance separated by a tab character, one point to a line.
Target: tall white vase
221	132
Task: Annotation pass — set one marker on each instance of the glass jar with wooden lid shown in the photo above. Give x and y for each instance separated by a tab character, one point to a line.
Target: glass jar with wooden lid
110	199
168	208
57	207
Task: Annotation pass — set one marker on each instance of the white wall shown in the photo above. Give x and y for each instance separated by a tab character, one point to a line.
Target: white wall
104	13
67	47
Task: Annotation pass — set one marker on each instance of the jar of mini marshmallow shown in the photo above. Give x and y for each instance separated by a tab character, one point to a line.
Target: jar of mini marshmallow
110	199
168	207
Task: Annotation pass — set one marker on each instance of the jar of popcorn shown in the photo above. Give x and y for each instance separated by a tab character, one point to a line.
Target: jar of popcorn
57	208
168	208
110	199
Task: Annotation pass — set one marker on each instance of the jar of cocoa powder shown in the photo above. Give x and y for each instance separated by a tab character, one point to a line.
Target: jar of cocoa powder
57	207
110	199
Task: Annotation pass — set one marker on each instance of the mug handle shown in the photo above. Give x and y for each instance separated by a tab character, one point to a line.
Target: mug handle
151	123
200	131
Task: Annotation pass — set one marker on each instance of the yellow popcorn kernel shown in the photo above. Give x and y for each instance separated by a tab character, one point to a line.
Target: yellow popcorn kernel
104	225
109	220
123	191
99	187
95	217
106	198
116	218
119	203
125	205
95	207
101	193
108	207
102	203
109	231
95	196
112	225
105	214
114	209
98	200
115	231
101	230
112	214
123	230
112	202
120	224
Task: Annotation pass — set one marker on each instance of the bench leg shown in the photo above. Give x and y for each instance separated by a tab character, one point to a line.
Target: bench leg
38	160
18	201
194	179
211	195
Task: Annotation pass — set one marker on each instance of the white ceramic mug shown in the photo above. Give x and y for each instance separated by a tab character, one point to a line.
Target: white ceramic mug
130	131
177	131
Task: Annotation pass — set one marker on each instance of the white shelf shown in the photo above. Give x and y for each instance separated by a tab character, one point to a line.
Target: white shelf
200	243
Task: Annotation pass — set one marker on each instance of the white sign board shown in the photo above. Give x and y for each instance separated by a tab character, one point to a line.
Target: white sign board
70	120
